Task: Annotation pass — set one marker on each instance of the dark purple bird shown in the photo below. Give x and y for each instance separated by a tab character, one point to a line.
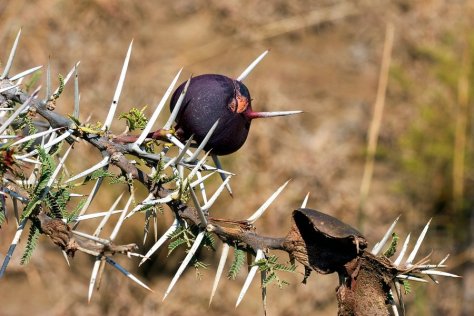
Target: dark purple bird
211	97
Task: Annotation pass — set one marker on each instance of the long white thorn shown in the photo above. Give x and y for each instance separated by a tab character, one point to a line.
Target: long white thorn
378	246
176	142
58	167
48	79
305	201
18	111
8	66
161	241
95	215
412	255
218	164
118	90
273	114
166	199
440	273
126	273
180	145
95	271
216	194
34	136
66	258
202	188
91	196
76	93
106	218
25	73
196	169
157	111
429	266
185	262
28	160
444	260
99	240
149	198
260	255
411	278
68	76
267	203
50	144
8	88
175	161
177	106
402	252
398	290
13	245
249	69
395	310
117	227
104	162
201	180
220	269
202	217
203	143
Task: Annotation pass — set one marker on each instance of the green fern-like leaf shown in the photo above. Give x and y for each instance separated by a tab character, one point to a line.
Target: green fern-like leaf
271	277
179	237
406	286
63	196
101	173
2	216
21	121
31	244
118	179
60	89
135	118
175	244
53	205
271	265
47	168
285	268
209	241
72	215
185	236
237	263
149	215
28	123
392	248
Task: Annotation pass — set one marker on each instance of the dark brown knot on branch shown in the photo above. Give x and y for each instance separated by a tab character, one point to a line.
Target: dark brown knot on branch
323	243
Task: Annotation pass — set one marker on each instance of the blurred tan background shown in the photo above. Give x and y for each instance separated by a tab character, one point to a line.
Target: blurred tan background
325	59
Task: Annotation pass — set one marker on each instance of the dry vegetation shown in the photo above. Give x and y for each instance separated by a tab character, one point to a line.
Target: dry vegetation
325	59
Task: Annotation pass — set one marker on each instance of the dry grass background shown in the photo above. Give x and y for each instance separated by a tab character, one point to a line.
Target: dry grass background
325	59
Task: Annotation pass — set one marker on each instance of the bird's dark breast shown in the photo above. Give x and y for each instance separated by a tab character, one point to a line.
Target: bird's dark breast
207	100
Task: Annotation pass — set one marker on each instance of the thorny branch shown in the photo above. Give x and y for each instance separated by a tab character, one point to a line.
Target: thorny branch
117	151
316	240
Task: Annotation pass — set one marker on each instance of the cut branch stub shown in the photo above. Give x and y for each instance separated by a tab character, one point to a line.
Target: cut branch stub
323	243
368	292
